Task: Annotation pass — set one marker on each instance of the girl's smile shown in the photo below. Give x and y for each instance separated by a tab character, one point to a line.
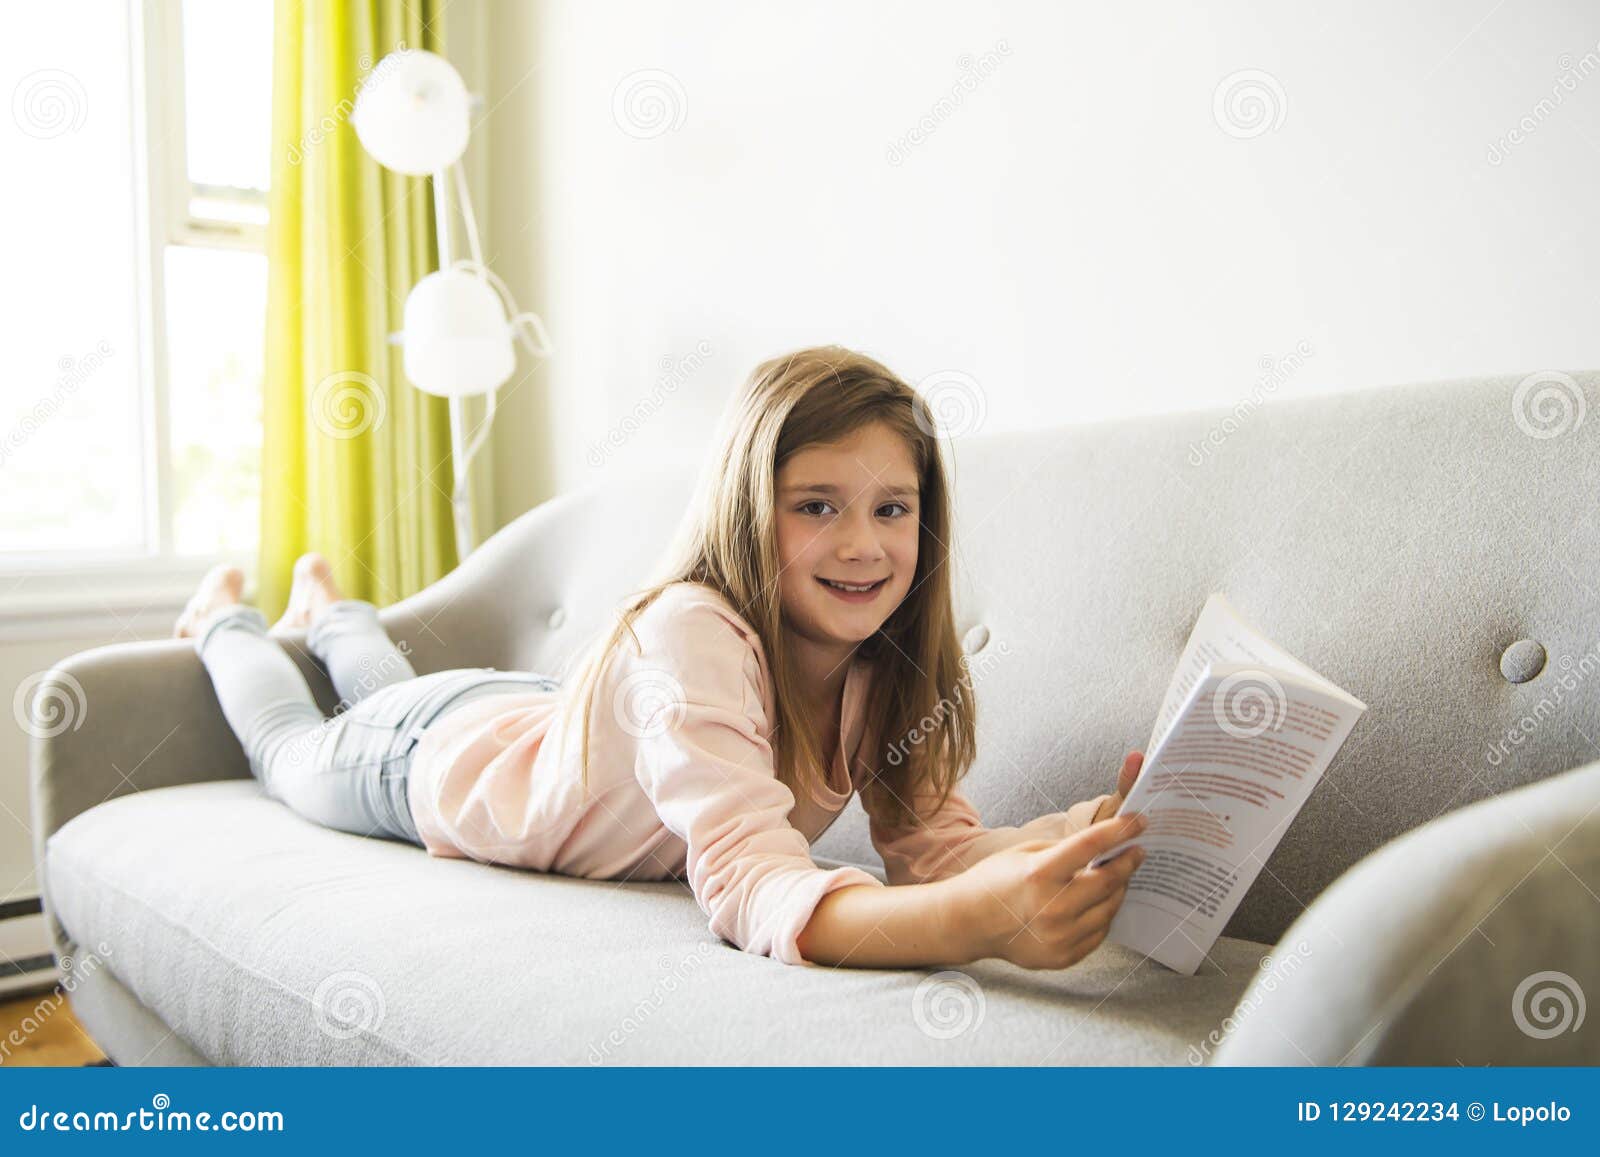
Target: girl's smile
852	593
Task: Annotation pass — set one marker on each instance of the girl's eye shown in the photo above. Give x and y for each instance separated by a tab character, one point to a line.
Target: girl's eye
805	508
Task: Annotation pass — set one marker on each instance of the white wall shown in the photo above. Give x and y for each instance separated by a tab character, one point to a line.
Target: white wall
1082	236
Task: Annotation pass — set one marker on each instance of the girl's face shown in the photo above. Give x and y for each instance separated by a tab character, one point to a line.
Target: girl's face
848	512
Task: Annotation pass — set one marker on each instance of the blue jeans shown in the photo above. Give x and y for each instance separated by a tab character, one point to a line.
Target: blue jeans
348	772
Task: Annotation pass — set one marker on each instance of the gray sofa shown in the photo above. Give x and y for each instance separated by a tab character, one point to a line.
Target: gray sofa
1434	549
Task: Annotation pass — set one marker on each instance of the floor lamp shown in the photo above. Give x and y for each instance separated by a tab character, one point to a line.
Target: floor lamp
412	116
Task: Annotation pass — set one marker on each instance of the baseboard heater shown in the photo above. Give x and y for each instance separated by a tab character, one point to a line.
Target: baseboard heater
26	963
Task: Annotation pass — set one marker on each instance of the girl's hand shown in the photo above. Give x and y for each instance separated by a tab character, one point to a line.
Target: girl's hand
1131	765
1038	904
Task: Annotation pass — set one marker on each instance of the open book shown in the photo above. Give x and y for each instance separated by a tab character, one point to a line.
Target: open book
1243	735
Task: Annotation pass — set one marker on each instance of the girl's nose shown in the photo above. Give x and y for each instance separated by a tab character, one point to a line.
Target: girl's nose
860	542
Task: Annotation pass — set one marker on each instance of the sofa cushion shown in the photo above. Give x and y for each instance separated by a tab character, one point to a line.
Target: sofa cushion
262	939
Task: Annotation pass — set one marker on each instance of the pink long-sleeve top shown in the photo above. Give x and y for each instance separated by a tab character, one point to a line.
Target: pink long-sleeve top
690	793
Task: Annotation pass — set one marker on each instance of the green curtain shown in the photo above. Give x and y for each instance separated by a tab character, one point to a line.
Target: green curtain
355	460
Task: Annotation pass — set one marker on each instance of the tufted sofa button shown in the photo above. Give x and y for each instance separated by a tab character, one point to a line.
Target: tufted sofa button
975	639
1522	661
557	617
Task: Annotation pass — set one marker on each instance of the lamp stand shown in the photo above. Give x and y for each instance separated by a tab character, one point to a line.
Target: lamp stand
461	491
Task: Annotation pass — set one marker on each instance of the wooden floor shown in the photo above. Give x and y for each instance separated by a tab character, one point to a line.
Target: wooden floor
46	1033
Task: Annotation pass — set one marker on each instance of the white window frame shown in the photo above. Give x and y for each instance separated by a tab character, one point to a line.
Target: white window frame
72	592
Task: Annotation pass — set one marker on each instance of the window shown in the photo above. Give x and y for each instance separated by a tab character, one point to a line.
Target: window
130	434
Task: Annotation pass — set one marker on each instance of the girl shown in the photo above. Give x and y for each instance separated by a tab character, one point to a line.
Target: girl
779	663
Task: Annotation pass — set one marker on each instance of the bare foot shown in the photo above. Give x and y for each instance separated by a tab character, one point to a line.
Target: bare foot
222	587
313	590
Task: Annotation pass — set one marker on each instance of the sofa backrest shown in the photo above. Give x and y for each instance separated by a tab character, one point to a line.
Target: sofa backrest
1434	549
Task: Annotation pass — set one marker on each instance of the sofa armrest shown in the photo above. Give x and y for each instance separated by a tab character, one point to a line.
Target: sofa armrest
131	717
1474	939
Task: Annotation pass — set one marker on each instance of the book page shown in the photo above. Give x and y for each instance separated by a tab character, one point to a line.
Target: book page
1220	635
1220	787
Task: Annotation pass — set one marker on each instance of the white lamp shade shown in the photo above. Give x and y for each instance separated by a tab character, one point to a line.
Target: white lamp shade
457	338
412	113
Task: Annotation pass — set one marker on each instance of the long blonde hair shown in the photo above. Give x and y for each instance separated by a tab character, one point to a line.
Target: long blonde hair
728	542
